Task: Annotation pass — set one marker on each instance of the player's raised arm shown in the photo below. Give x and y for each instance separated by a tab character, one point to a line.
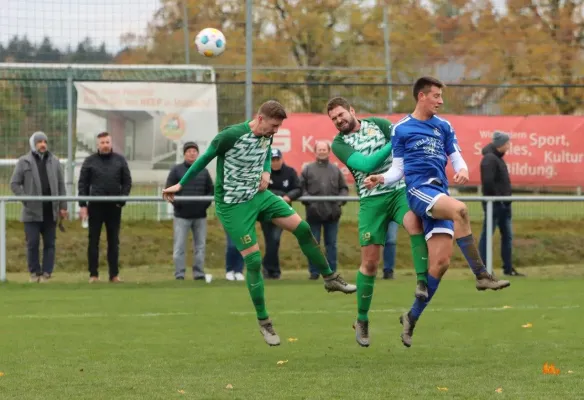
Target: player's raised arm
454	154
357	160
396	172
194	169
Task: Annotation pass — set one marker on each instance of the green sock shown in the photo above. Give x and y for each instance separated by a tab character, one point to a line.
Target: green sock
255	283
311	249
365	285
420	256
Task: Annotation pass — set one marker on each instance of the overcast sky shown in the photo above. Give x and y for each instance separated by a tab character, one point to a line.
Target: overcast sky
70	21
67	22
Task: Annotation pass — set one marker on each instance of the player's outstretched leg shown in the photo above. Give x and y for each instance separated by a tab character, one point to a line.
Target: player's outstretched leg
255	286
415	229
448	208
333	282
439	253
365	284
420	258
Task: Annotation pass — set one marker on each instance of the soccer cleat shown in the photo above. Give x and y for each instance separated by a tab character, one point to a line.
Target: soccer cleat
34	278
408	331
268	332
362	332
115	279
239	276
93	279
421	292
487	281
334	283
230	276
44	278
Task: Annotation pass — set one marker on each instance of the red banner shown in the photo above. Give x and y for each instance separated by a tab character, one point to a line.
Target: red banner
545	150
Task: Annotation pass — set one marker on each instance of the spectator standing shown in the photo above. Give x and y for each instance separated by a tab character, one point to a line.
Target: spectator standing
104	173
190	216
284	182
39	173
496	182
321	178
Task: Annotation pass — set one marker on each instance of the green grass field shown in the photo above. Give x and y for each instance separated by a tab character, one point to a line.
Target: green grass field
147	339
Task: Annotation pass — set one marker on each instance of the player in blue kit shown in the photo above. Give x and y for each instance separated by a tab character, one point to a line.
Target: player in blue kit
422	144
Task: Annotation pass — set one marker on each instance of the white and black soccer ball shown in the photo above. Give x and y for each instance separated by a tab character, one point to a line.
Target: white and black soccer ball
210	42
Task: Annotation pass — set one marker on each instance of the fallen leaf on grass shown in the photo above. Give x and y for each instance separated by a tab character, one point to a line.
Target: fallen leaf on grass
181	391
550	369
229	386
527	325
1	373
292	339
505	307
442	389
282	362
570	372
499	390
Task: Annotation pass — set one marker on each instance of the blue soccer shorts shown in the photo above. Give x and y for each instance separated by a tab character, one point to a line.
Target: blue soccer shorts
421	200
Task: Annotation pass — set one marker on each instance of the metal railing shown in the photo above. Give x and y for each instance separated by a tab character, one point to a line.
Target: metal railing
129	199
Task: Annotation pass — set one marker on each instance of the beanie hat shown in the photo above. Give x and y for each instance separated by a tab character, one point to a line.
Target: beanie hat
190	145
500	138
35	138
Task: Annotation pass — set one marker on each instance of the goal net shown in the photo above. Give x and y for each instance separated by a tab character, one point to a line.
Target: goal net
149	111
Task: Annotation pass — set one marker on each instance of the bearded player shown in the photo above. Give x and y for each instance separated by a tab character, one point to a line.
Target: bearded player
364	146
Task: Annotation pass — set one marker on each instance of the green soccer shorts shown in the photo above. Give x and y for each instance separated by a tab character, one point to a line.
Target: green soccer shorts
376	212
239	219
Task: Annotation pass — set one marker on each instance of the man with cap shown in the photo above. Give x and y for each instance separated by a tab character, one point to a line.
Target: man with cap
284	183
191	215
39	173
496	182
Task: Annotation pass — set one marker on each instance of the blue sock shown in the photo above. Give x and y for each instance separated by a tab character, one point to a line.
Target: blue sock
419	306
471	253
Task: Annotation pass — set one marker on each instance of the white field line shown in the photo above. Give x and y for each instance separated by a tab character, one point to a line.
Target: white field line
284	312
401	310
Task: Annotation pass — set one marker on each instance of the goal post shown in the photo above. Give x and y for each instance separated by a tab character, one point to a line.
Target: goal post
149	111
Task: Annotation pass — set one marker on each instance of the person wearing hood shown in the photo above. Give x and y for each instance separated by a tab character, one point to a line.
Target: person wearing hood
496	182
39	173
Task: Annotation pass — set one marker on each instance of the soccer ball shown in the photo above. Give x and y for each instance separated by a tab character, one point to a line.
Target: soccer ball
210	42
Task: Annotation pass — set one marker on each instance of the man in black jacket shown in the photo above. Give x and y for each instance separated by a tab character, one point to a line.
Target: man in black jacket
191	215
104	173
496	182
284	183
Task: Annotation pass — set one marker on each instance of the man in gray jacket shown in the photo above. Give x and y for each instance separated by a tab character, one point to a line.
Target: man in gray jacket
39	173
321	178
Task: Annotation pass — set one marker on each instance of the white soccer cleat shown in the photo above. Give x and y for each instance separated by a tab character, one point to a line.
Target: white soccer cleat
230	276
239	276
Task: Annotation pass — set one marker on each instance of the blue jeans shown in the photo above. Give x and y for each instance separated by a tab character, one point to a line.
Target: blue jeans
331	230
233	259
390	246
271	261
502	219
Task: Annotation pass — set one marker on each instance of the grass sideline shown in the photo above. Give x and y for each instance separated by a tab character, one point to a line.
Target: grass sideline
148	243
187	339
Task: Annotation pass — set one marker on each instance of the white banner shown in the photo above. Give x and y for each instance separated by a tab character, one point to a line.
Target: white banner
148	121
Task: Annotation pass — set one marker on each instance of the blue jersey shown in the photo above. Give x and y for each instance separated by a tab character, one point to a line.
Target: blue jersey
424	147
